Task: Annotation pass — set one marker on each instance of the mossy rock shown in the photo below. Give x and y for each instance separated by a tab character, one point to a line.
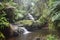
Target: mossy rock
9	13
25	22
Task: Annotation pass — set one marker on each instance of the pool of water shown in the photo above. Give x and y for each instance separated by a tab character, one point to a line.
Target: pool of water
36	35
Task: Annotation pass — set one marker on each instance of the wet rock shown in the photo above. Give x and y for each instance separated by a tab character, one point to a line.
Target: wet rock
37	38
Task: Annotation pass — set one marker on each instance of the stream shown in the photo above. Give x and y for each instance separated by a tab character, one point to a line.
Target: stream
24	34
36	35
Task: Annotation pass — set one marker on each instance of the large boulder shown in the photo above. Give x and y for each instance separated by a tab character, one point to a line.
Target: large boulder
9	14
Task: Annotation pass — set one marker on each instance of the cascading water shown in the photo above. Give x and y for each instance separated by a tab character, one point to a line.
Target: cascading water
20	30
29	16
23	30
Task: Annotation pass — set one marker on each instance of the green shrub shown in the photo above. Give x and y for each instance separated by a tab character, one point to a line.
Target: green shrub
55	14
51	37
25	22
3	21
1	36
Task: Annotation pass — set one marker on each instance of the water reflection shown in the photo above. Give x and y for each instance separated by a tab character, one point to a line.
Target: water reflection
36	35
39	34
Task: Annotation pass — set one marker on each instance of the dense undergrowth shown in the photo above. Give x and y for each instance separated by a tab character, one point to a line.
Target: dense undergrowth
4	19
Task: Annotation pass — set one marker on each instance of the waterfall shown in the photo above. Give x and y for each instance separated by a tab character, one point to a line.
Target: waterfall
30	17
18	29
23	30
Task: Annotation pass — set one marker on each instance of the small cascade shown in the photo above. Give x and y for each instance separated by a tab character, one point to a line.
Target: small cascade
30	17
23	30
20	30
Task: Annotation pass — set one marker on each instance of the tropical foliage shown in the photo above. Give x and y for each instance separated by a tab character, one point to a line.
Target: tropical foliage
42	11
52	37
3	20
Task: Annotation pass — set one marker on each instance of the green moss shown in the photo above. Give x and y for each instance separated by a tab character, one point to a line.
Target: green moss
25	22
